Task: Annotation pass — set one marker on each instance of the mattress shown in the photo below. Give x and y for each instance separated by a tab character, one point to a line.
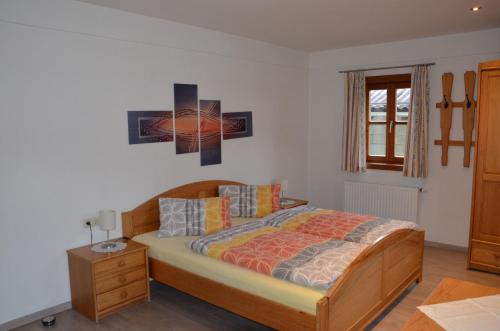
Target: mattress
173	251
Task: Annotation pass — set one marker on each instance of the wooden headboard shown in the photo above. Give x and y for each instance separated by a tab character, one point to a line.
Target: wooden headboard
146	217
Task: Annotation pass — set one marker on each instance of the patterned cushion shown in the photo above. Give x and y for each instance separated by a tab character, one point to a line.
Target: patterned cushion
252	200
193	217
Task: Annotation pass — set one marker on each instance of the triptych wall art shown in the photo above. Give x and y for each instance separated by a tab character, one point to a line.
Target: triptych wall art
199	126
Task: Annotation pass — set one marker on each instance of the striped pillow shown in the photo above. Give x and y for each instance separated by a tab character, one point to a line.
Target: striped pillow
252	200
193	217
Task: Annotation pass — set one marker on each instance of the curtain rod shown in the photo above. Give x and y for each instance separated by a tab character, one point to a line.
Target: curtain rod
389	67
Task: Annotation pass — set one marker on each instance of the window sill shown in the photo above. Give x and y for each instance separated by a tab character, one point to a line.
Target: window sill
385	166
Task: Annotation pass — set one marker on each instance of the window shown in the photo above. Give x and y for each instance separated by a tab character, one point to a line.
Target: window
387	105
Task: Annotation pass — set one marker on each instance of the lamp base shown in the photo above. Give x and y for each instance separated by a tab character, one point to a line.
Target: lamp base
109	247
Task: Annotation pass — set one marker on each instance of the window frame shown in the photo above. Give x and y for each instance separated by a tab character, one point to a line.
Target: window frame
390	83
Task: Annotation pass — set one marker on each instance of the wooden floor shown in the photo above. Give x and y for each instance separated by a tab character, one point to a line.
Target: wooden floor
172	310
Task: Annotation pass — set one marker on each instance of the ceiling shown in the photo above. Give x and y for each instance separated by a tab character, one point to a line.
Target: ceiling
314	25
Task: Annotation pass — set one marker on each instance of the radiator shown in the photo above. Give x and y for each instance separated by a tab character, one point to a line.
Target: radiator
396	202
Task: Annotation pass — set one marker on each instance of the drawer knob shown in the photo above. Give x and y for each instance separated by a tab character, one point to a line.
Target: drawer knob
121	263
496	256
123	294
122	279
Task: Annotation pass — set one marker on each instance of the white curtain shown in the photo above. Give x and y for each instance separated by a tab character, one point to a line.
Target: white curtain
354	134
416	162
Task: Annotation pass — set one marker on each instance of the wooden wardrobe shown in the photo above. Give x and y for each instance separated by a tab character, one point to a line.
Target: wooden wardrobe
484	243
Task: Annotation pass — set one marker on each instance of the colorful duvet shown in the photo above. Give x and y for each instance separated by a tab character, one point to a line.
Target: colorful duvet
335	224
305	245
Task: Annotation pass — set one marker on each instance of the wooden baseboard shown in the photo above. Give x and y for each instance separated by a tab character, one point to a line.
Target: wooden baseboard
445	246
35	316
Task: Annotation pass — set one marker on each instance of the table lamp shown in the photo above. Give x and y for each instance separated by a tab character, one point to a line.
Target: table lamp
284	187
107	222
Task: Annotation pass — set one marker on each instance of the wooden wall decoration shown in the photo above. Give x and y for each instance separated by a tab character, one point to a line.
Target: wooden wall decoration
446	115
468	114
446	107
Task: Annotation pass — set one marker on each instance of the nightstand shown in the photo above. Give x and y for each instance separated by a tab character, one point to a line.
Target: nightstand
296	203
103	283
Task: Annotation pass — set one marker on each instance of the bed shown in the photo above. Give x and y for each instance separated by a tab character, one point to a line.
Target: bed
371	283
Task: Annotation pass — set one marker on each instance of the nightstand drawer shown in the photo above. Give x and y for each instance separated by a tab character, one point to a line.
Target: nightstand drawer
121	294
104	284
119	263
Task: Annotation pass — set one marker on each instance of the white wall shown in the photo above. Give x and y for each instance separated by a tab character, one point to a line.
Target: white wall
69	71
445	206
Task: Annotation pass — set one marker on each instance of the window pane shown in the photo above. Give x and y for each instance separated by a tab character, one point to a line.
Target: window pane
378	105
376	140
402	104
399	148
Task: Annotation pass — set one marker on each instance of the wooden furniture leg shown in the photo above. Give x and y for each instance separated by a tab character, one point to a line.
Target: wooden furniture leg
468	113
446	115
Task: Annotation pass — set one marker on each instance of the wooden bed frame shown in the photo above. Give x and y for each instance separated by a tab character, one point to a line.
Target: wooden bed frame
369	285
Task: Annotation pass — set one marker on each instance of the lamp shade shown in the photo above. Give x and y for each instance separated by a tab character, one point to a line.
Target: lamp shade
284	185
107	220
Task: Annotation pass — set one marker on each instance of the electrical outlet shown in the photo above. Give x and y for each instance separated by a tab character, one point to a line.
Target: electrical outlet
91	220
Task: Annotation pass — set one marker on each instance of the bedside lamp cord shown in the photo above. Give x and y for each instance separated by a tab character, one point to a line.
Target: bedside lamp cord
91	237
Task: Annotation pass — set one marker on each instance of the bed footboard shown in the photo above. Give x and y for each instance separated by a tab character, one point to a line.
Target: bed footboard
374	280
256	308
371	283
